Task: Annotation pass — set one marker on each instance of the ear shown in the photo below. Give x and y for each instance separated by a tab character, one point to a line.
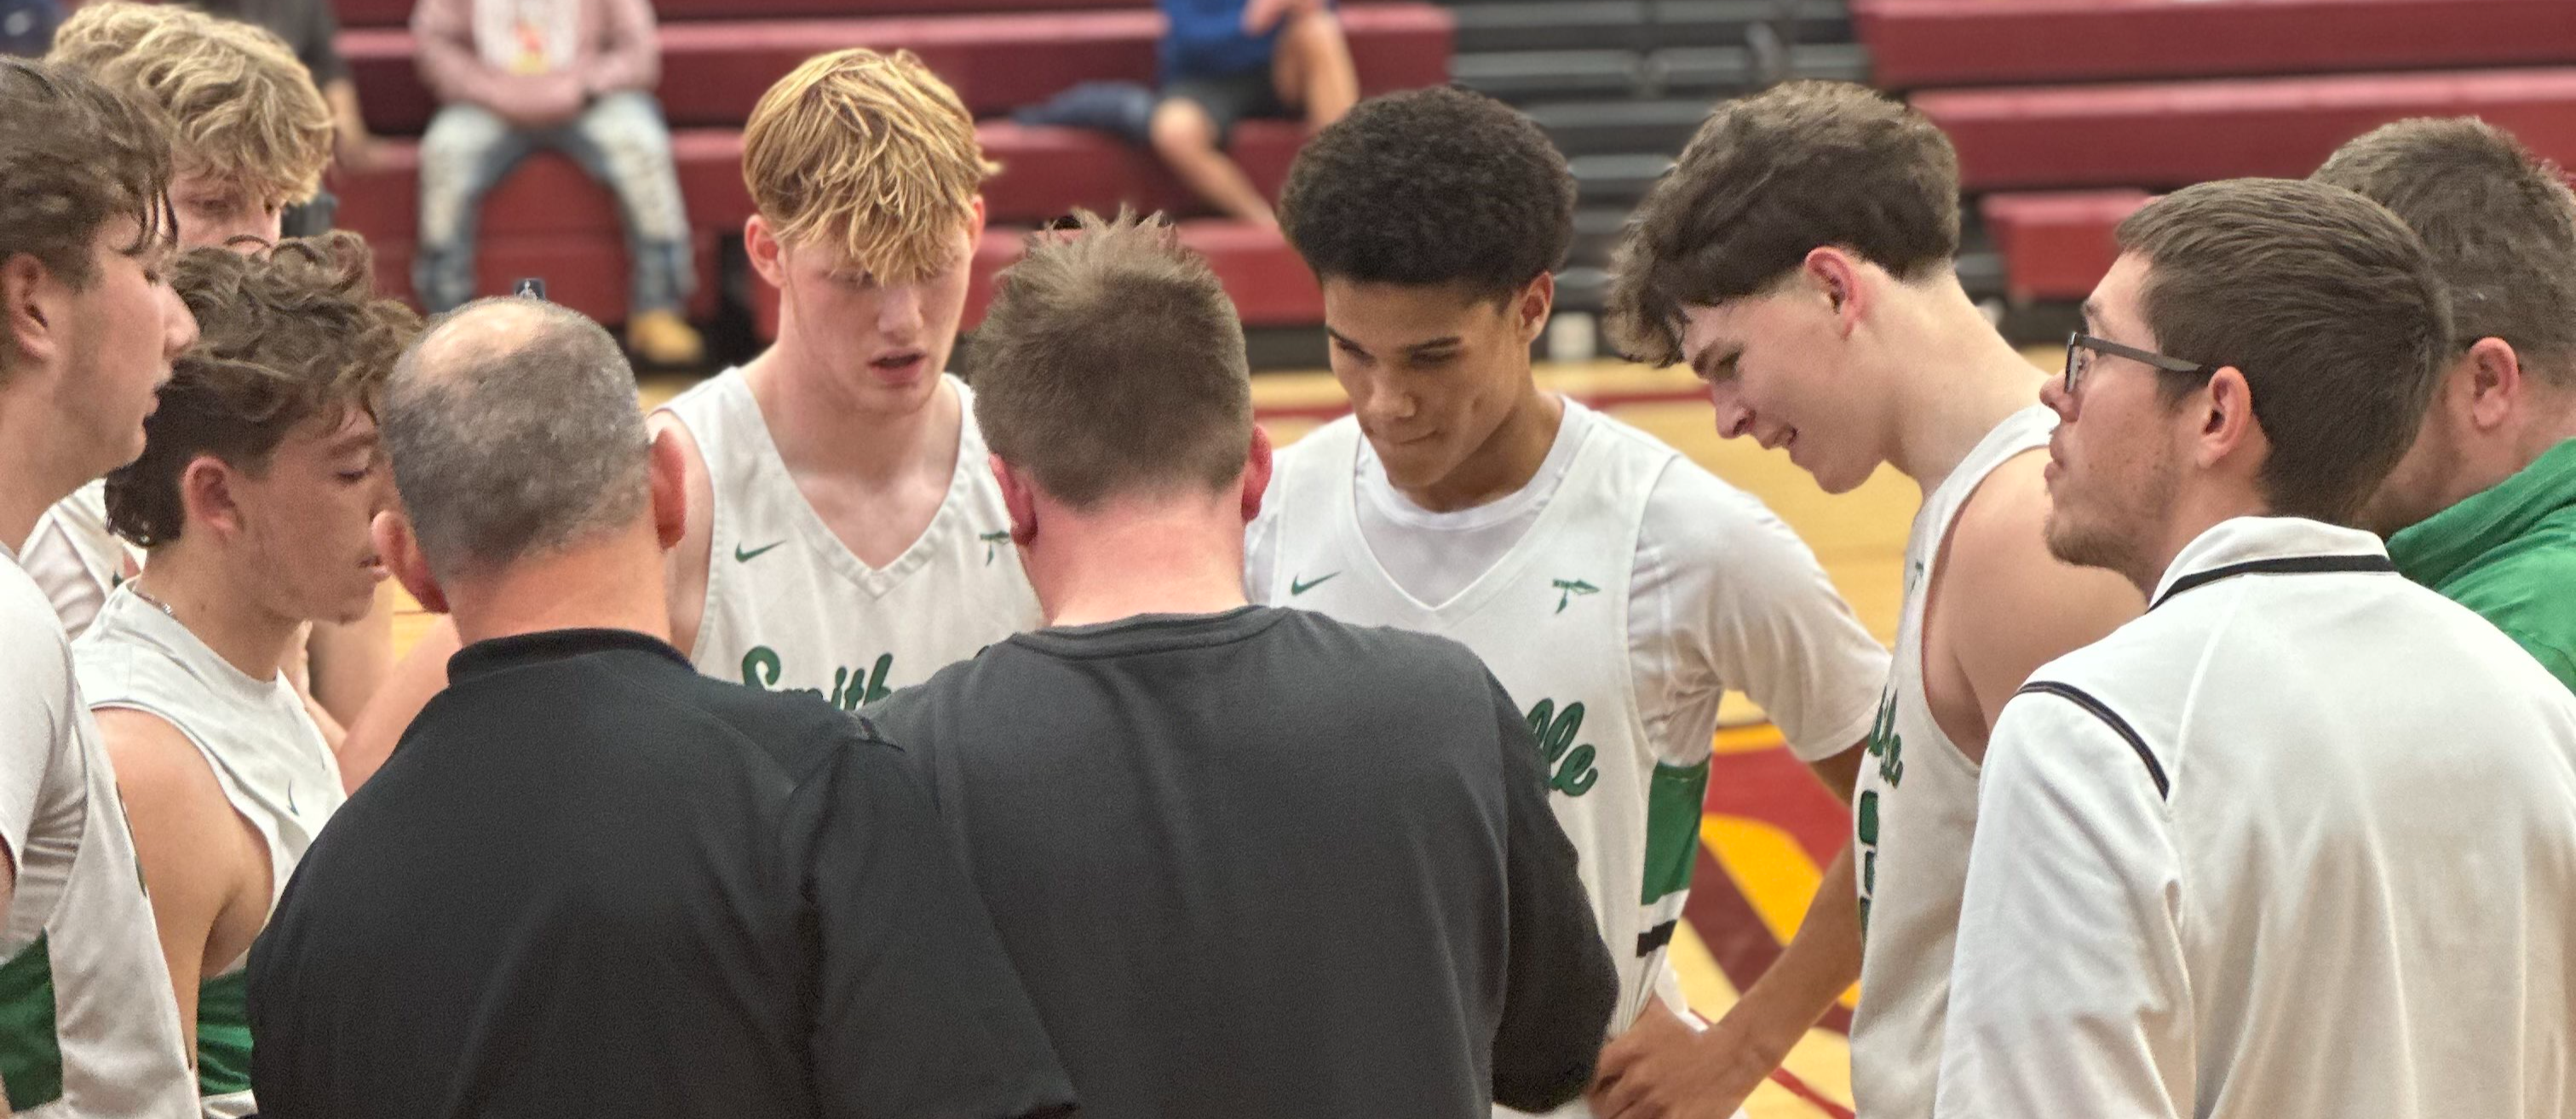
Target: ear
669	473
2492	373
1256	473
400	551
2226	424
767	255
1835	275
28	294
974	225
206	496
1533	305
1020	498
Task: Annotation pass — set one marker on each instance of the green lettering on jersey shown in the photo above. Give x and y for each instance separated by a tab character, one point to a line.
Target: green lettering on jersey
31	1052
851	688
1570	765
1885	744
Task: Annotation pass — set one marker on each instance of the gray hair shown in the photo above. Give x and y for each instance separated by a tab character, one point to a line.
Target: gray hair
514	432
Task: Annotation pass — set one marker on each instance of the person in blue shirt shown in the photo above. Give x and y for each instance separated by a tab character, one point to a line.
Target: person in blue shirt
1223	61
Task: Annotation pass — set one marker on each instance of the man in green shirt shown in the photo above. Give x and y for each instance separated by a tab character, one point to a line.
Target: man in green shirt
2483	507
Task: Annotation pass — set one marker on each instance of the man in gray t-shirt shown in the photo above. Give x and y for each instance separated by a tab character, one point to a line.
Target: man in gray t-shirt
1248	862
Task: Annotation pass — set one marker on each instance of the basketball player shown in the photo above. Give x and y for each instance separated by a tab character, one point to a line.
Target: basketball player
88	328
2483	507
845	536
260	477
253	134
1615	588
2299	841
1801	260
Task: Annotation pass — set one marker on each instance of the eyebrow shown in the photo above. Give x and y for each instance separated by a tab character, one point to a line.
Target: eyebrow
1442	342
1705	364
2092	312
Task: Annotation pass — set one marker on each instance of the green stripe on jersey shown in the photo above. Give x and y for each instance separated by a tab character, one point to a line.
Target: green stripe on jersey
223	1034
1673	799
31	1054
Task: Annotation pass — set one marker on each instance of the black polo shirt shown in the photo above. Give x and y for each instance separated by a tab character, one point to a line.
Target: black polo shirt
1265	865
593	882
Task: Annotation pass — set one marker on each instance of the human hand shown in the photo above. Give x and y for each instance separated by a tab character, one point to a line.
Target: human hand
1667	1068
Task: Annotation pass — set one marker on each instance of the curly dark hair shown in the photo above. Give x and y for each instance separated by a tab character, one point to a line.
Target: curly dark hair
284	336
1431	186
76	155
1768	179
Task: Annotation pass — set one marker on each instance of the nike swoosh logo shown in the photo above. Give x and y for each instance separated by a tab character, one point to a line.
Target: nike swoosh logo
741	556
1296	588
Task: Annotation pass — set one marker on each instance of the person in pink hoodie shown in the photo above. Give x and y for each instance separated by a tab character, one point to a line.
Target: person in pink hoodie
574	76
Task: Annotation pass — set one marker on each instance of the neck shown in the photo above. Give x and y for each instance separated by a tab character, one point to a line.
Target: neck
2193	516
1959	380
188	579
612	582
1171	556
32	477
1509	458
821	425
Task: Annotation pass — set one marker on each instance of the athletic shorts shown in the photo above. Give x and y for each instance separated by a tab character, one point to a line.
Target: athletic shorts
1245	95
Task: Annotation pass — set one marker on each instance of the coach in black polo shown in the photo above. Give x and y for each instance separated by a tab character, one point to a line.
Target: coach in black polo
1252	863
590	881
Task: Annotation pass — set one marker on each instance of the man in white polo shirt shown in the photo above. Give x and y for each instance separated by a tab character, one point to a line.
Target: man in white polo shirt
2301	840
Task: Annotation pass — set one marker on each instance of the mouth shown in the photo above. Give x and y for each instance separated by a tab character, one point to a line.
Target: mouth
899	364
1783	438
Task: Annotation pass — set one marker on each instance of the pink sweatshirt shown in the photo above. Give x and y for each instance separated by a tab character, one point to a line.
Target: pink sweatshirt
611	47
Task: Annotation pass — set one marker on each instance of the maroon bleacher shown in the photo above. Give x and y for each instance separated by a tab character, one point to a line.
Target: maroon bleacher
2056	245
1914	43
713	73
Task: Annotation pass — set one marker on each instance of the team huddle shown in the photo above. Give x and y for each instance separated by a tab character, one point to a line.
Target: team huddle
850	737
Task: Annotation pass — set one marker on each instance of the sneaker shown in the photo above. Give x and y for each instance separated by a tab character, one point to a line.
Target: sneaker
664	338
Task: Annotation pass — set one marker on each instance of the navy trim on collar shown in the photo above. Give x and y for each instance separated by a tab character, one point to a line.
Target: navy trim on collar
2286	565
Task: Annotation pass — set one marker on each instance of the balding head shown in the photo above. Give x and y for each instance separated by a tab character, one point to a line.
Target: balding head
514	433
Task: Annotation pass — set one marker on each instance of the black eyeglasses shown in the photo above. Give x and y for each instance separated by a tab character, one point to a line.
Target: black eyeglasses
2079	344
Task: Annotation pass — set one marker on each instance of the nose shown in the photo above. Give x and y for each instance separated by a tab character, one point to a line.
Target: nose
899	312
178	325
2053	394
1733	419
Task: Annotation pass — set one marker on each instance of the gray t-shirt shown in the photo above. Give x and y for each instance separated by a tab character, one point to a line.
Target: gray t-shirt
1263	863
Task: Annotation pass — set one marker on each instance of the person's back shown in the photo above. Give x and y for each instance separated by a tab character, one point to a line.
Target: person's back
2371	793
591	881
663	848
1261	863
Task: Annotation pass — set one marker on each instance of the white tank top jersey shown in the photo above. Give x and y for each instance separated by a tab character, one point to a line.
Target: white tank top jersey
88	1028
75	559
269	758
1914	813
1553	619
789	608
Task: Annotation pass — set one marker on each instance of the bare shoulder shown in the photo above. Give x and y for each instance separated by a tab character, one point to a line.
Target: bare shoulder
170	792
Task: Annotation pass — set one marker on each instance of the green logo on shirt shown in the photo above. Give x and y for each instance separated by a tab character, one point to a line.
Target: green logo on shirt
741	556
1568	588
1297	587
1570	766
850	687
993	542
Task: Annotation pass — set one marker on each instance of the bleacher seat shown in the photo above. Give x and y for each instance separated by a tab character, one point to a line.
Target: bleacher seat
584	270
2056	246
2169	134
713	73
1915	43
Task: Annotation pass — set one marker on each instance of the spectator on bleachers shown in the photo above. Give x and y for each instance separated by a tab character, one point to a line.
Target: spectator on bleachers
1224	61
311	31
573	76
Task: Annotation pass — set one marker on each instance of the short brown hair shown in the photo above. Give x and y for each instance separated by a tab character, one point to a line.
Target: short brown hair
1770	178
1112	363
2499	221
868	150
244	109
75	155
282	338
2325	301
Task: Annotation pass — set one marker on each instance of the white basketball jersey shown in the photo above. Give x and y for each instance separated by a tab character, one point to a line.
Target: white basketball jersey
272	763
74	557
88	1027
789	608
1550	619
1913	814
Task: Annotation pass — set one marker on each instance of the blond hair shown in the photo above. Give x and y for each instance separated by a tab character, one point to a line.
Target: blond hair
246	111
871	153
